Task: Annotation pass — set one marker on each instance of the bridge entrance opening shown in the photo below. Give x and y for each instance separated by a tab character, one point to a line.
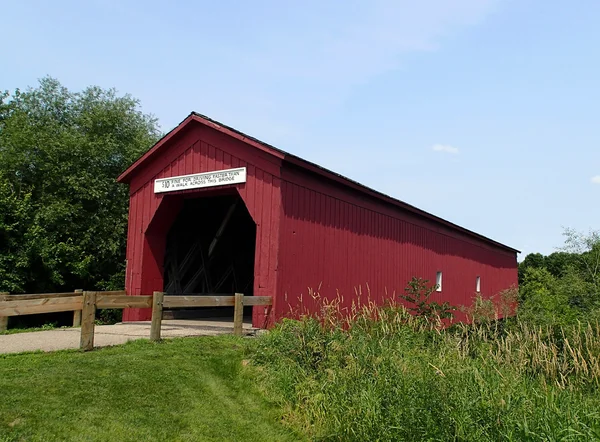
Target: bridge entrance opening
210	250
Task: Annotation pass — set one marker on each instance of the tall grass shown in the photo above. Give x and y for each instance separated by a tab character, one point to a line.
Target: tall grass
379	373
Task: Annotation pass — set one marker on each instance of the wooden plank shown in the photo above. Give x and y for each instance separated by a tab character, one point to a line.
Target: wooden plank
88	318
258	300
35	306
157	310
122	301
44	296
238	315
3	318
77	313
113	293
28	297
198	301
213	301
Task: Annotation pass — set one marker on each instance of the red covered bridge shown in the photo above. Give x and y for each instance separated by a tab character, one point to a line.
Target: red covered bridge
213	210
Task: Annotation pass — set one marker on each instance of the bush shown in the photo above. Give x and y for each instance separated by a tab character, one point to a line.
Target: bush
541	300
418	293
109	316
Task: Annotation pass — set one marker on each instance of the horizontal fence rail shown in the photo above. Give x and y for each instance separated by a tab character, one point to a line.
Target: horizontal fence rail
177	301
19	307
46	296
51	301
104	300
85	304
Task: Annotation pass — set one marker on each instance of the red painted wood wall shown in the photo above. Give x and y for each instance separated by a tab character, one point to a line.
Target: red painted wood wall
313	231
338	240
194	150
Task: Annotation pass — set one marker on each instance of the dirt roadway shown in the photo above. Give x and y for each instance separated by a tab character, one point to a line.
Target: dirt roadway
105	335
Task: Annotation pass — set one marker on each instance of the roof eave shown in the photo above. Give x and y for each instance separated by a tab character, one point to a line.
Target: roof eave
126	176
315	168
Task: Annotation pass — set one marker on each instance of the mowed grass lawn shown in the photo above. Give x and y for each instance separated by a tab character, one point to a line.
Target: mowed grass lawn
190	389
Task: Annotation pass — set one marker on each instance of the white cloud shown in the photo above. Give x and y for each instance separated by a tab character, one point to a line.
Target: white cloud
596	179
445	148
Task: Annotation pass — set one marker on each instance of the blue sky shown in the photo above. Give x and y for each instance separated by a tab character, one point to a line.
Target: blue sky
484	112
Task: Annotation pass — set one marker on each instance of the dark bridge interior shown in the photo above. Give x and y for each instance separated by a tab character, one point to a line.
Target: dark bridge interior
210	250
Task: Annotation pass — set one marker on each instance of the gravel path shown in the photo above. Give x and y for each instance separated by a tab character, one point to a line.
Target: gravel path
105	335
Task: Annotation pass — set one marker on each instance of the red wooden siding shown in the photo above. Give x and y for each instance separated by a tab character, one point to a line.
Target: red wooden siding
200	149
335	239
314	228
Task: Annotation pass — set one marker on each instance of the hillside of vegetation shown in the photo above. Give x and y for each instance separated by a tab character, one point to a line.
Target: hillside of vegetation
386	374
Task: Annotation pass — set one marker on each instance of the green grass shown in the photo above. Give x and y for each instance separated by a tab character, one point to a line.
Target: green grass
379	374
192	389
383	375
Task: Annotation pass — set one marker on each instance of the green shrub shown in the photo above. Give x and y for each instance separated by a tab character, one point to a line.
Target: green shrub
418	293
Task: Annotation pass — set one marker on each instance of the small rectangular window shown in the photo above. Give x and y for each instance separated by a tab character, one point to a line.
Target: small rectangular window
438	281
478	284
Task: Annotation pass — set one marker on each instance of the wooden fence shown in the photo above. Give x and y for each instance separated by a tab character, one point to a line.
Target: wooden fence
84	305
70	301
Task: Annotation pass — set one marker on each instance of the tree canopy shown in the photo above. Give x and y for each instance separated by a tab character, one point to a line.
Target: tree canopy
564	286
63	216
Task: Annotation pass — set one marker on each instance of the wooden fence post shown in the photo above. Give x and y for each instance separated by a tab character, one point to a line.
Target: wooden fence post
238	314
157	310
77	314
87	321
3	319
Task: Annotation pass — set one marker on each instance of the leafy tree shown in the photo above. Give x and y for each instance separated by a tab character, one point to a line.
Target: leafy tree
559	263
15	210
63	217
564	286
586	250
533	260
556	263
542	302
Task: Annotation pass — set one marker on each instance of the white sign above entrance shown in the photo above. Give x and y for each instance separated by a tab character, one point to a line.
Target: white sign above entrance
198	180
